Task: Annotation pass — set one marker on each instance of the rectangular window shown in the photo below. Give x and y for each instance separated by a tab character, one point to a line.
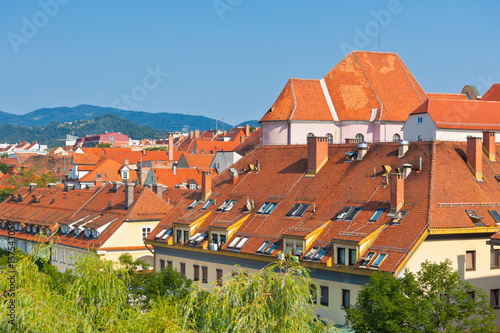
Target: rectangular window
263	247
352	256
219	276
70	259
495	214
298	210
494	256
376	215
379	260
204	272
494	301
186	236
298	249
470	260
207	204
162	264
226	206
267	208
179	236
145	232
367	259
313	290
346	298
169	263
222	239
271	248
288	248
183	269
215	239
324	295
54	253
191	206
63	255
420	120
196	272
348	213
341	256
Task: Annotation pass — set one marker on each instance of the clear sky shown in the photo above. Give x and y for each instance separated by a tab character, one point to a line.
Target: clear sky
228	59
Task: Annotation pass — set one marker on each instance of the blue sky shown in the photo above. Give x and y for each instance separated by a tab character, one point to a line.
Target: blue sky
227	59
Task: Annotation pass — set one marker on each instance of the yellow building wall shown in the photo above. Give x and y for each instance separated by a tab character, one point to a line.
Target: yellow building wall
454	249
129	234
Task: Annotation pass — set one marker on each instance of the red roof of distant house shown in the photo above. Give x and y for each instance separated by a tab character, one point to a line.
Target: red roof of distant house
462	114
168	178
201	161
493	94
447	96
109	170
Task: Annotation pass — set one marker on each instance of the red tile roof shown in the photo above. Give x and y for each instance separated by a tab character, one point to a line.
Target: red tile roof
447	96
462	114
202	161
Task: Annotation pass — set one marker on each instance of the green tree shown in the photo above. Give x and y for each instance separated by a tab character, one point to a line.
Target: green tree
157	148
103	145
278	299
4	168
435	299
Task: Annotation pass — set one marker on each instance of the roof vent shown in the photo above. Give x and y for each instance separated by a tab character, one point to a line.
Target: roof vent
403	148
407	169
234	175
362	149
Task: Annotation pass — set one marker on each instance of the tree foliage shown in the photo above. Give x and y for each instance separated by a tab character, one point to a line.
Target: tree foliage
4	168
435	299
24	178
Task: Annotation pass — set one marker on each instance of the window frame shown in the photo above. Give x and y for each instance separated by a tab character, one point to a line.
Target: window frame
183	268
196	273
204	274
473	263
346	299
341	259
495	298
145	231
324	295
351	263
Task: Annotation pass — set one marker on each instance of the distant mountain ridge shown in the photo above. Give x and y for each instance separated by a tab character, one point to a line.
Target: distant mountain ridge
54	130
169	122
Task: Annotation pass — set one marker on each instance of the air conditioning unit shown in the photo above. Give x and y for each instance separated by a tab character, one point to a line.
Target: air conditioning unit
213	247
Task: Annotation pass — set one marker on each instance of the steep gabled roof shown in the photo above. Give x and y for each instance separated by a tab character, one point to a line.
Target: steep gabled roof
108	170
493	94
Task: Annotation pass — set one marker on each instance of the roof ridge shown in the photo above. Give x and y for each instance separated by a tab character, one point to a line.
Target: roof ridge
370	83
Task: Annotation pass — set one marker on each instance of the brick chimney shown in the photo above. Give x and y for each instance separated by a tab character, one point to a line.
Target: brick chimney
317	154
32	187
247	130
206	185
191	134
242	139
397	192
170	147
475	156
197	134
129	194
489	145
158	189
362	150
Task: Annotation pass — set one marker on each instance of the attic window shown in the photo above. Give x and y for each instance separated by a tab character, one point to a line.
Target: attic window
169	232
476	219
28	228
207	204
311	253
316	253
99	176
161	233
273	247
267	208
94	233
495	215
263	247
198	238
348	213
191	206
226	206
192	186
420	120
376	215
497	177
234	242
379	260
241	243
350	156
366	260
298	210
399	216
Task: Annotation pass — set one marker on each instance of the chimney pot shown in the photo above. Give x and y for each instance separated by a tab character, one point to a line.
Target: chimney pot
475	156
403	148
197	134
362	149
206	185
397	192
51	185
317	154
407	169
170	147
489	145
247	130
32	187
158	189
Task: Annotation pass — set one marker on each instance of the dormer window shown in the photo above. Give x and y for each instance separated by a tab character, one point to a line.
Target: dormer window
34	229
124	174
94	233
87	233
192	186
99	176
77	231
28	228
298	210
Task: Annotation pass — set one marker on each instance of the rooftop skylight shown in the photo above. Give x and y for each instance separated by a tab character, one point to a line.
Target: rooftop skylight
263	247
495	215
367	259
348	213
226	206
191	206
476	219
267	208
376	215
379	260
298	210
273	247
207	204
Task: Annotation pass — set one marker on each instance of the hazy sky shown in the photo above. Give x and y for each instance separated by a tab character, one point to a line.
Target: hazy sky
228	58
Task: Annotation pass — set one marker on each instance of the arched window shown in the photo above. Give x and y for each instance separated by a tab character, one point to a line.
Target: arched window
396	138
360	137
330	138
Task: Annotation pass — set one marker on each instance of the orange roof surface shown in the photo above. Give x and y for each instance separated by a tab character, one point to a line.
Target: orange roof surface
462	114
211	147
493	94
168	178
89	159
108	169
251	142
9	161
447	96
199	160
359	83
